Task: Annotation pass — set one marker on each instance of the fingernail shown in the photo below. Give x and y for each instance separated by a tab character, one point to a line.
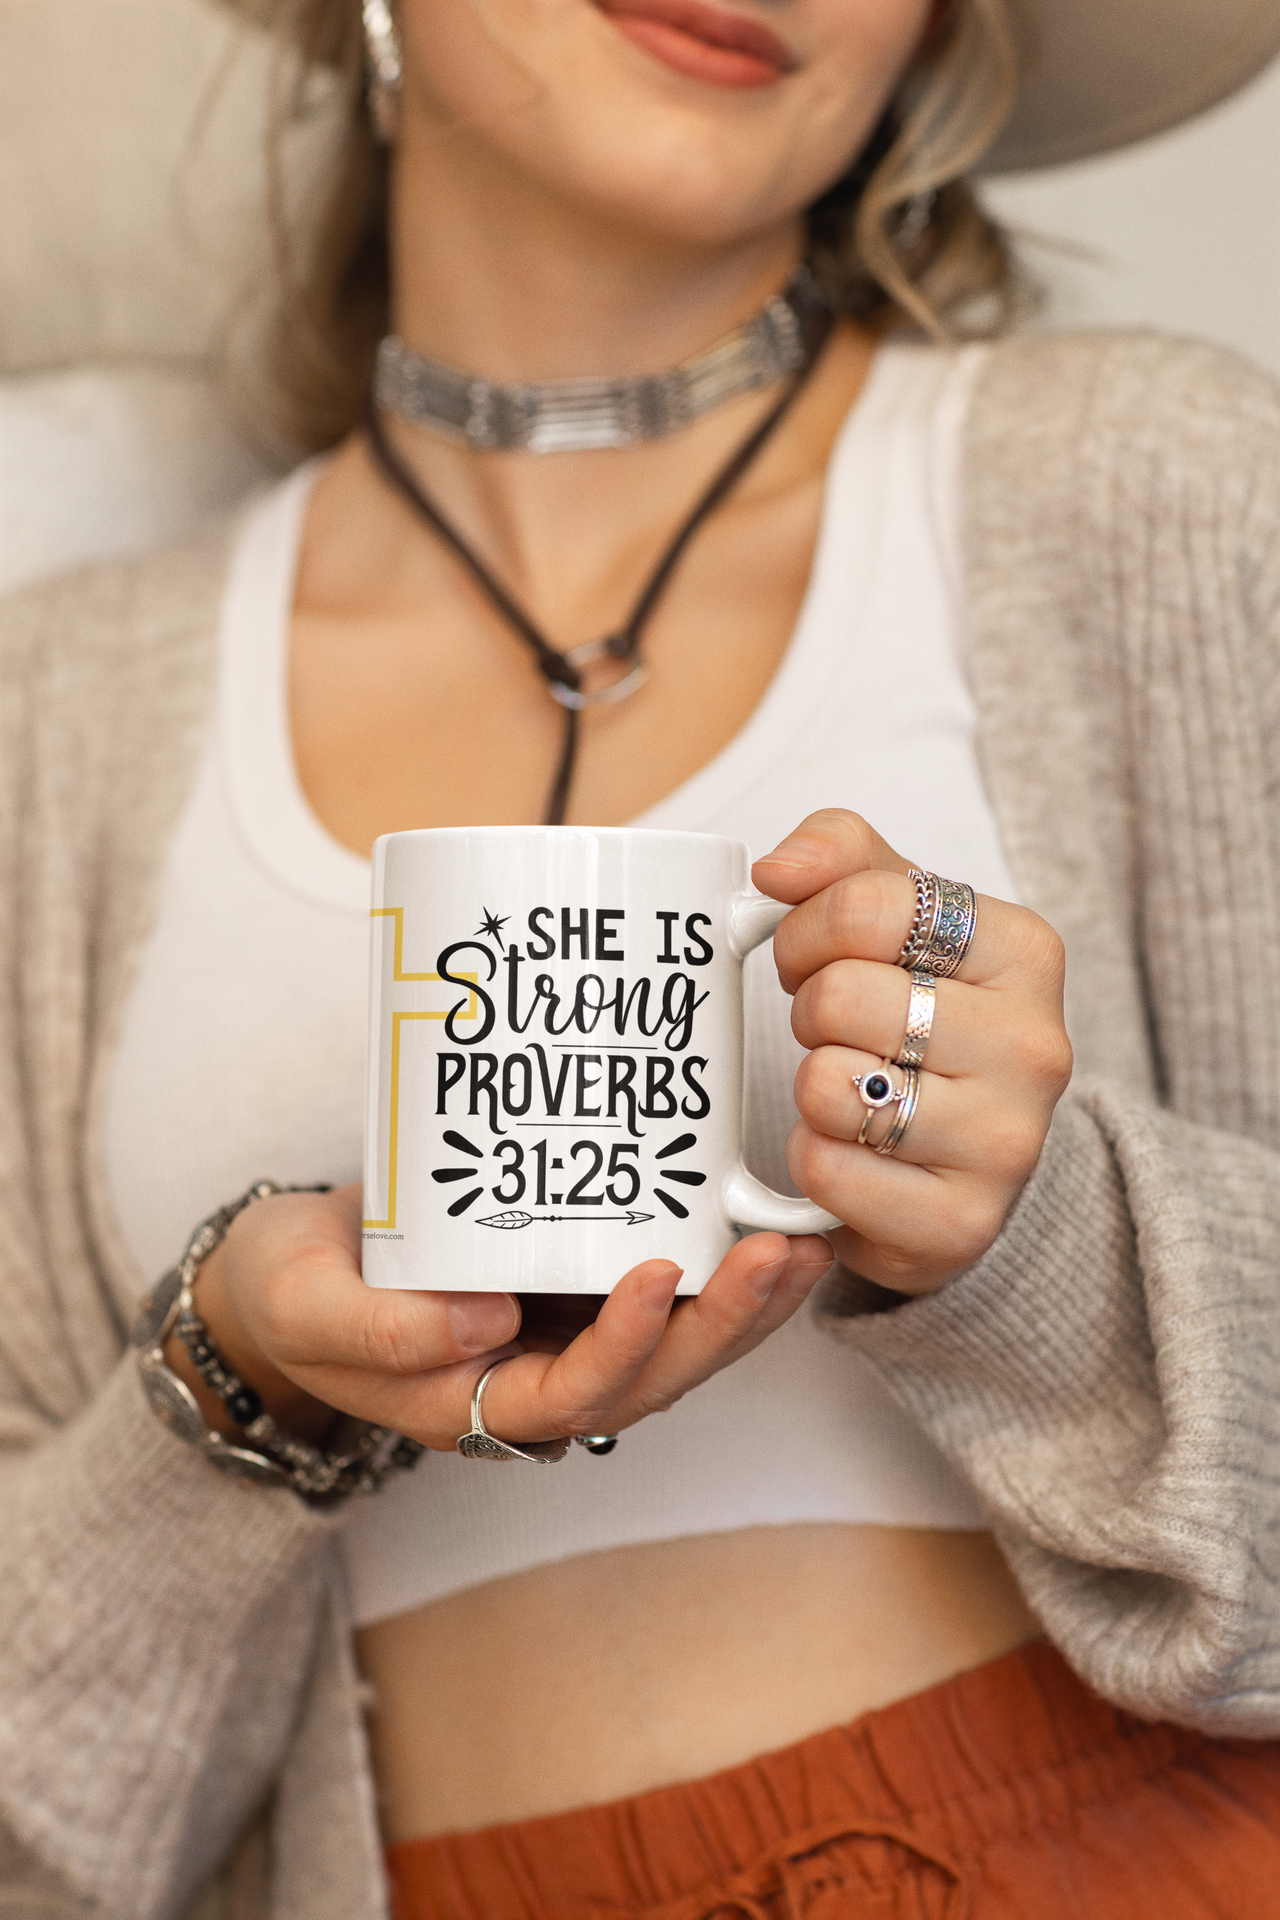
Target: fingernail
804	1275
479	1321
765	1279
791	852
657	1290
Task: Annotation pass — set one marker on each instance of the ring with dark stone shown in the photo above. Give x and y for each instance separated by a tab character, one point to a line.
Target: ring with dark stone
876	1090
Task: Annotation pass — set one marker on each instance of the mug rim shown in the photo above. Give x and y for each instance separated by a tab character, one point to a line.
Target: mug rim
569	832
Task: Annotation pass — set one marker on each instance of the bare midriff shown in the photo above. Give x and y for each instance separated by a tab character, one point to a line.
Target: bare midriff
613	1673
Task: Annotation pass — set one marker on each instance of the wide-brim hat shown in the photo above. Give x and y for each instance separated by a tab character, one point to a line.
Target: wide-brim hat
1104	73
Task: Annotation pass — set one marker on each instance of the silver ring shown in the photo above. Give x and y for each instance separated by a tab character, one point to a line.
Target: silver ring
480	1444
920	1011
941	933
906	1112
876	1090
916	944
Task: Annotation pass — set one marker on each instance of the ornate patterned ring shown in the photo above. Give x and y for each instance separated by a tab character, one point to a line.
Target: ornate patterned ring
943	928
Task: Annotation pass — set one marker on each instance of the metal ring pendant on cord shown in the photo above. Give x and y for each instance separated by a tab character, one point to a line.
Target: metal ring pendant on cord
562	670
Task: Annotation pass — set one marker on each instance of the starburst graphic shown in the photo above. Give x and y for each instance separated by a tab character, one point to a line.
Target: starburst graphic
491	926
447	1175
685	1178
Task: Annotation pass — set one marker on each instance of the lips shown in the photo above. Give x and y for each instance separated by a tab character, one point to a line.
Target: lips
704	42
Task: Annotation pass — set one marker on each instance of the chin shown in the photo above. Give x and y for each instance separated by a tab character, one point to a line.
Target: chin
669	173
688	197
557	94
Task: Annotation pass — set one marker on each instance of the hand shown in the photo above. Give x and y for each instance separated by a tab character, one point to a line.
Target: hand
997	1062
284	1301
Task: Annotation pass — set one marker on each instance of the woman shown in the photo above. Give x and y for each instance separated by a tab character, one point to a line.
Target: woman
781	1651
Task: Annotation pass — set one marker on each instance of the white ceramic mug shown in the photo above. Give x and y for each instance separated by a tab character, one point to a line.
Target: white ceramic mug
555	1058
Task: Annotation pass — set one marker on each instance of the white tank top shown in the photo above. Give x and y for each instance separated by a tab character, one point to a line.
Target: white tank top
242	1047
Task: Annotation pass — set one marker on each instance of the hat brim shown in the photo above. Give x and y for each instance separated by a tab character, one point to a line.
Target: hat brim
1104	73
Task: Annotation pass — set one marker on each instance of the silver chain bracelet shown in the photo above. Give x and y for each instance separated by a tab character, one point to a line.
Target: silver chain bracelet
276	1458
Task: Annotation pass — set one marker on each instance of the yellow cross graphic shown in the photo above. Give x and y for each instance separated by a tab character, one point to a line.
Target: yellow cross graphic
398	1016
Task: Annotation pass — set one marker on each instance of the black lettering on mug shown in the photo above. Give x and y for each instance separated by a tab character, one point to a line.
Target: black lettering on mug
679	1004
461	1006
515	960
605	933
668	957
657	1081
700	1106
548	947
583	1086
623	1002
450	1068
575	930
552	1096
587	1008
483	1068
706	952
517	1066
622	1073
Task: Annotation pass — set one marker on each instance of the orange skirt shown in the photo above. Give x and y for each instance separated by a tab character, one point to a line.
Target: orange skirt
1008	1793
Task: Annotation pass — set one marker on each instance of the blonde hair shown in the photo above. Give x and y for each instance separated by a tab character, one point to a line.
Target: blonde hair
902	238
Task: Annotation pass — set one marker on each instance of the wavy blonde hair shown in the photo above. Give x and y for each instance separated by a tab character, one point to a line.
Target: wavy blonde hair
902	238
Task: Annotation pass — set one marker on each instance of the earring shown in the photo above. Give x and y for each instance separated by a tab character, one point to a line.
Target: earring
914	224
383	69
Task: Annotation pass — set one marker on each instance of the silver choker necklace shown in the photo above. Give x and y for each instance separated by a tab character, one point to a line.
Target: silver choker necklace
565	416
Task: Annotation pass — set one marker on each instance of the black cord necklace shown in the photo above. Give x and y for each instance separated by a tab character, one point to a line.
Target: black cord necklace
563	671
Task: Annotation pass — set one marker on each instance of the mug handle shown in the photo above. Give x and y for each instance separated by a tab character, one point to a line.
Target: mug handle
753	919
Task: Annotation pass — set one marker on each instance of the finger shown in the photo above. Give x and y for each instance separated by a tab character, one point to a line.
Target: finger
827	846
751	1293
596	1390
1013	1037
293	1267
543	1396
687	1356
901	1220
615	1373
838	852
432	1407
963	1126
537	1396
863	1004
869	915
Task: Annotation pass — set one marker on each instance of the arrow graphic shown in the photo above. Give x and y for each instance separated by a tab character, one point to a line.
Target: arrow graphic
514	1218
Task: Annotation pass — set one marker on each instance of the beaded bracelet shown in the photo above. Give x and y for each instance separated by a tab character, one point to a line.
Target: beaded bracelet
277	1458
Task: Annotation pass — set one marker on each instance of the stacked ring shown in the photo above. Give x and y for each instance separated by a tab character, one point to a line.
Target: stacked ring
943	927
906	1111
877	1091
917	940
920	1011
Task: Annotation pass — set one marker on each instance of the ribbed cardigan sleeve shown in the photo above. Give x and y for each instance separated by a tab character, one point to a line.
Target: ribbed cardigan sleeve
1108	1376
160	1624
160	1621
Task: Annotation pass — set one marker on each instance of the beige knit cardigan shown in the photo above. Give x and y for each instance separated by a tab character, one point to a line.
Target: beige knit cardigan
174	1652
